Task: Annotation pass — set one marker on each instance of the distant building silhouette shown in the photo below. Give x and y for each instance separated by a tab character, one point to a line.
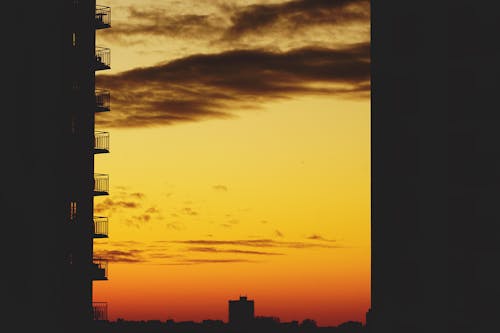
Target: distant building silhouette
241	312
259	325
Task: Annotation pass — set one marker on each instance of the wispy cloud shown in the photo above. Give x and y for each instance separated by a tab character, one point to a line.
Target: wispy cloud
208	86
235	22
233	251
321	238
113	205
220	188
189	211
257	243
208	261
138	195
188	252
121	256
294	15
160	22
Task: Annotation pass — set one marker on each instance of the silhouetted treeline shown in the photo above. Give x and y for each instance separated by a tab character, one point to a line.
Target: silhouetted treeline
259	325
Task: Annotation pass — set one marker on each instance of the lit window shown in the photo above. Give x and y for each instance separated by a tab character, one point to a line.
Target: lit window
72	211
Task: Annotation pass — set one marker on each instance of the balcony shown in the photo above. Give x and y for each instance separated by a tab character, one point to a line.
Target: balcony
102	100
100	227
101	142
101	184
100	311
99	271
102	58
102	17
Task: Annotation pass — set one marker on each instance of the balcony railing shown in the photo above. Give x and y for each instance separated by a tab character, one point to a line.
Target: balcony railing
101	184
102	58
100	311
102	100
100	227
102	17
101	142
99	269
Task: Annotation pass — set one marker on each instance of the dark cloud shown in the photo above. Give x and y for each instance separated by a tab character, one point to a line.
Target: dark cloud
234	251
319	237
189	211
142	218
162	255
174	225
210	261
121	256
293	15
220	188
184	252
278	233
112	205
138	195
125	243
152	210
210	86
122	199
234	22
257	243
160	22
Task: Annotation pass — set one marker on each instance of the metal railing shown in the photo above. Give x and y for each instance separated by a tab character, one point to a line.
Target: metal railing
102	100
102	58
102	17
99	311
101	142
100	269
101	184
100	227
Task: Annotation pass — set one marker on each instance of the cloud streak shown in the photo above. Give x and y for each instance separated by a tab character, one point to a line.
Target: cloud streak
232	251
121	256
320	238
186	262
293	15
201	87
188	252
159	22
113	205
232	22
220	188
255	243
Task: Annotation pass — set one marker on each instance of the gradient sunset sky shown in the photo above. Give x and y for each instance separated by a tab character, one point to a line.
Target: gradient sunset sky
240	159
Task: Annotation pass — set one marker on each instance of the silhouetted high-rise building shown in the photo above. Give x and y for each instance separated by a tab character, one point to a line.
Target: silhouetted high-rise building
241	312
435	167
50	141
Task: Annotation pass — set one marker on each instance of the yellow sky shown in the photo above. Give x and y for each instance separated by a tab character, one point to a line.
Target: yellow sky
295	171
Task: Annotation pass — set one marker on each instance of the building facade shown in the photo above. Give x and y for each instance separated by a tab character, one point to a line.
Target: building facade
50	183
81	60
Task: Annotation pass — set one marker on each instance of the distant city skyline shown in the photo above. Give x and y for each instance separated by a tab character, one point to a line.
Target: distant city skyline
241	315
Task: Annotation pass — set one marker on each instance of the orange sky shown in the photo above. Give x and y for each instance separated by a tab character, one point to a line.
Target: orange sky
266	194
